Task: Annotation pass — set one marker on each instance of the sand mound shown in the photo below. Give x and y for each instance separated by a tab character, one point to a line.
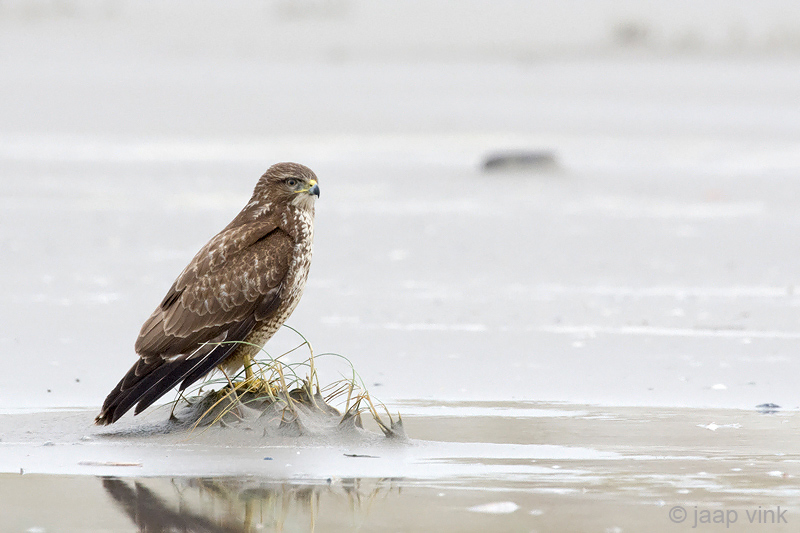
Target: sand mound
276	413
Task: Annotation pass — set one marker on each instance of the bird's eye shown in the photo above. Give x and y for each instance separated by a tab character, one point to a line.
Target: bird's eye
291	183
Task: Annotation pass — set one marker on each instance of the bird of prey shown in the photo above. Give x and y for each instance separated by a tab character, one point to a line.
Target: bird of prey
241	286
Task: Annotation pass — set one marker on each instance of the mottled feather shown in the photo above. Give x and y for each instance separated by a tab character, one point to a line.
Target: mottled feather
239	287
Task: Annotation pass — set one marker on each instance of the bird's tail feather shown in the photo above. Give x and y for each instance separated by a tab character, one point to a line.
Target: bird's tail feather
134	385
147	381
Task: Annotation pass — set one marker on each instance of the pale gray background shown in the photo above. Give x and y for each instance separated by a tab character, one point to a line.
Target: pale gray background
656	266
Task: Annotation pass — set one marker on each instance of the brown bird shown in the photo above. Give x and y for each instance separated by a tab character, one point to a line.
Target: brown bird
241	286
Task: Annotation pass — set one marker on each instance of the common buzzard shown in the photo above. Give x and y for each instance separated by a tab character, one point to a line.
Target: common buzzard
241	286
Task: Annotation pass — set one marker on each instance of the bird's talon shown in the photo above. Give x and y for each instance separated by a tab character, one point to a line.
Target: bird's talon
253	385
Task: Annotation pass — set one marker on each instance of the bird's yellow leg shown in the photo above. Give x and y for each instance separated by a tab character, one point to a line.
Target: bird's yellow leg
248	368
252	383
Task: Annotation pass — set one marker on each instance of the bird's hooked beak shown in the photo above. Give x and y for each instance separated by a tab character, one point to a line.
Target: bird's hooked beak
313	188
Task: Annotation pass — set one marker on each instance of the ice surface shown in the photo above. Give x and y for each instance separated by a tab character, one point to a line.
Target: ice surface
491	465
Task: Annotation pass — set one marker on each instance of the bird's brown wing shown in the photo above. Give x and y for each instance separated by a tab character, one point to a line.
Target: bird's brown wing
233	280
227	281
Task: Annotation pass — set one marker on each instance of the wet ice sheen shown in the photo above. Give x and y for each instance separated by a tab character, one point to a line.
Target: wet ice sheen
617	463
495	508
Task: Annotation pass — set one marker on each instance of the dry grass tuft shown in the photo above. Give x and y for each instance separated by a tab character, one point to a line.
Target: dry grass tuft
283	391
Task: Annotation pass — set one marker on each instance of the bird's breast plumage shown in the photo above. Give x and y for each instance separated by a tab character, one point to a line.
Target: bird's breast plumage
300	225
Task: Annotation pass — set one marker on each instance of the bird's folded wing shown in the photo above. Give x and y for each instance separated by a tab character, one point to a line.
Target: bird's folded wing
237	272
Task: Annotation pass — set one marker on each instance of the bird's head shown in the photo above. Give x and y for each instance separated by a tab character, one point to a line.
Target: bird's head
287	184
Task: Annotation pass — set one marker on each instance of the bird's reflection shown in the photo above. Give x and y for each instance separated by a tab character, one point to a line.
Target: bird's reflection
227	505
